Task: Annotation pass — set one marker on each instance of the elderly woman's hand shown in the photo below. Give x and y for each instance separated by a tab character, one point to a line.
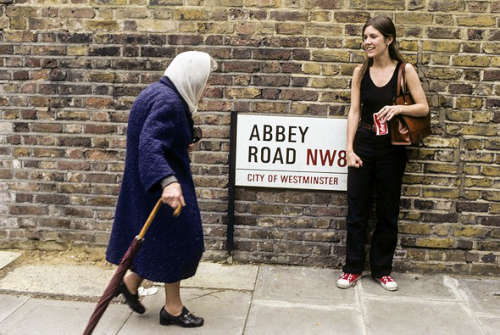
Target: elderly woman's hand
172	195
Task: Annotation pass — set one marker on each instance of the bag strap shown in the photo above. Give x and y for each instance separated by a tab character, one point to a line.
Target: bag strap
401	79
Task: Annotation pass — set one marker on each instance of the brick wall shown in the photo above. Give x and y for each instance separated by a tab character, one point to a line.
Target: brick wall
70	69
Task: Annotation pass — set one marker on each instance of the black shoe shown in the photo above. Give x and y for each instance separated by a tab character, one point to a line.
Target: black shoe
131	299
185	319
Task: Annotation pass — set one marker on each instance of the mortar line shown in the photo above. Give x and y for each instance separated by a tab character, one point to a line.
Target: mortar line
18	307
287	304
358	293
413	299
123	324
251	299
452	283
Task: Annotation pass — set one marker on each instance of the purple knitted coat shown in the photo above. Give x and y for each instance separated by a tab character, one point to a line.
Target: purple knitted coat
158	137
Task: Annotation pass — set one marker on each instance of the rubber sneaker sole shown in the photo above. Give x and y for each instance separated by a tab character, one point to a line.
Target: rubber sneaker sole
388	288
342	283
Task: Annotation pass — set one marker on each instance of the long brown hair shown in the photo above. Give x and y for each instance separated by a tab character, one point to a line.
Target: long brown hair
386	27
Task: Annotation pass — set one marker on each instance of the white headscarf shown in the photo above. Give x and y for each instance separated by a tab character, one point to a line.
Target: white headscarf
189	72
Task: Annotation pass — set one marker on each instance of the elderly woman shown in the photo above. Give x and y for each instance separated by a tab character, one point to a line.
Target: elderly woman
160	132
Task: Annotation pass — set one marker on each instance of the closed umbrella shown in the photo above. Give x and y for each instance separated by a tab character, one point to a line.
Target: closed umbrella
113	286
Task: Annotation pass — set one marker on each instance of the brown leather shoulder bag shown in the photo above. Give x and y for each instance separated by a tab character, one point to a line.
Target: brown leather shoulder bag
405	129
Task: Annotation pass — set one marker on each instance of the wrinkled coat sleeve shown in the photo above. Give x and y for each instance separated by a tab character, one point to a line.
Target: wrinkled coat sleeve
157	136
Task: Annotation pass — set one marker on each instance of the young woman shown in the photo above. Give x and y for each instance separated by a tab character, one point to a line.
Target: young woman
160	131
372	159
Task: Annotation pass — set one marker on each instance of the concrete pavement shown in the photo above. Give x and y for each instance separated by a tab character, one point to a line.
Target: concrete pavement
39	299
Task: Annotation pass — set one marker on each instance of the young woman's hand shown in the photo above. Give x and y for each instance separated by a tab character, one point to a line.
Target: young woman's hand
388	112
353	160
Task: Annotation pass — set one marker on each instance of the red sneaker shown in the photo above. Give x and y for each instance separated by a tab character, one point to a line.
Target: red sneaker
388	283
348	279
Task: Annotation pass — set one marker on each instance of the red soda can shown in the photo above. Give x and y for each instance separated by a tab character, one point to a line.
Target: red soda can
380	127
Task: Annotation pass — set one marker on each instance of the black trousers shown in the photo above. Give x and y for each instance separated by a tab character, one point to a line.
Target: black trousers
383	167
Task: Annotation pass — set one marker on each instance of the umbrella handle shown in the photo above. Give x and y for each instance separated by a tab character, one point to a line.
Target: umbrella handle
152	216
177	211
